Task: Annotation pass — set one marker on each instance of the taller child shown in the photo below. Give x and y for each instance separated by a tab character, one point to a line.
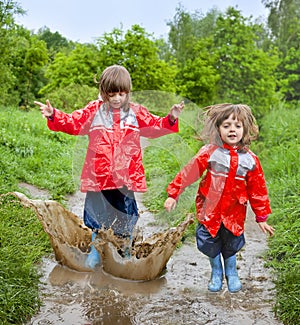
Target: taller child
232	176
113	168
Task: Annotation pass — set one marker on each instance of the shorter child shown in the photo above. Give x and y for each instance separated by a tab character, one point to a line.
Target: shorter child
233	177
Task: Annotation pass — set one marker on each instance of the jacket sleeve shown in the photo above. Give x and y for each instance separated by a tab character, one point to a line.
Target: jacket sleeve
189	174
76	123
257	191
152	126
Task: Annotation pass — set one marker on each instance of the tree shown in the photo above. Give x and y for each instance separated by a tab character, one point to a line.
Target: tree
247	73
8	43
140	55
186	29
284	22
289	75
198	77
77	67
55	42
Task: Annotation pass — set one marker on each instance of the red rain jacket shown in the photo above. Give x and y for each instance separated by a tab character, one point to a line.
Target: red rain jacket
233	178
114	154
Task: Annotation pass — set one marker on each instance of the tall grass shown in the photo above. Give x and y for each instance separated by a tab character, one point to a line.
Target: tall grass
22	245
281	156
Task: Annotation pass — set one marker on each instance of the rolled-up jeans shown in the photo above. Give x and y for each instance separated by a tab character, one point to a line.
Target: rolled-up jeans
115	209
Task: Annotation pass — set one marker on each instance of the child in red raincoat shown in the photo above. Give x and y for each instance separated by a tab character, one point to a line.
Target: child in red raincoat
233	177
113	168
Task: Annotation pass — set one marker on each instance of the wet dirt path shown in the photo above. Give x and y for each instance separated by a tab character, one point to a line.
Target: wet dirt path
180	296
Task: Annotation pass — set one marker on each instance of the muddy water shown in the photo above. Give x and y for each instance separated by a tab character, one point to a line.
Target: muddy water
179	296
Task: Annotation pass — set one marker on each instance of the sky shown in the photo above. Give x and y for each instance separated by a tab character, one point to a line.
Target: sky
86	20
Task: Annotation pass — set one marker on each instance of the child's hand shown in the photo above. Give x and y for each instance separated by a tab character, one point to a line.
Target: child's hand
266	228
46	109
176	110
170	204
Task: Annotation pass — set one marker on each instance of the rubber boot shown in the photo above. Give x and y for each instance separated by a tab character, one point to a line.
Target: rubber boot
216	279
233	280
93	258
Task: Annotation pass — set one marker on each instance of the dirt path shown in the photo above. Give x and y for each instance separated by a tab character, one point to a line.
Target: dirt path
178	297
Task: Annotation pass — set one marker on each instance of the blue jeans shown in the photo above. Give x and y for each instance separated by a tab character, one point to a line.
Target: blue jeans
225	242
116	209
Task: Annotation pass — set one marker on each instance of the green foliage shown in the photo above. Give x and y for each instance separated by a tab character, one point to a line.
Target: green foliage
72	97
197	79
140	55
55	41
22	245
246	72
79	66
8	46
289	72
187	29
284	22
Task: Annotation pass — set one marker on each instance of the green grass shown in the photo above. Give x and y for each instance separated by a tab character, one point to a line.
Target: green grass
22	245
33	154
29	153
281	156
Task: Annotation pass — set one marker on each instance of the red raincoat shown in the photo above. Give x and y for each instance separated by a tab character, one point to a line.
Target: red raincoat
114	154
233	178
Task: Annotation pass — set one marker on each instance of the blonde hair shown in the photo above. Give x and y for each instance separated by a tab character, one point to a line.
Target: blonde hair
115	79
215	115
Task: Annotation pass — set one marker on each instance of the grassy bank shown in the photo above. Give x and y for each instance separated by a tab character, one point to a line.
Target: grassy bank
31	153
280	153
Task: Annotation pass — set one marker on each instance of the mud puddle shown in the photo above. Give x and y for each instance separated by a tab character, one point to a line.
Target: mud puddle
179	296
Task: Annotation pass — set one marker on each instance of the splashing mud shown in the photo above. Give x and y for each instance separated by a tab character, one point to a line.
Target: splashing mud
71	239
179	296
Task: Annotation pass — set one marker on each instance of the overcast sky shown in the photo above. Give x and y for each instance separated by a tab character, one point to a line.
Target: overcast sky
86	20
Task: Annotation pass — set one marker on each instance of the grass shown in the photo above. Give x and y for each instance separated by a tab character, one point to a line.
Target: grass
33	154
22	245
281	156
29	153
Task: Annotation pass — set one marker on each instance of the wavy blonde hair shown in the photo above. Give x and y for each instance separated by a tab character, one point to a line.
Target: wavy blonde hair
114	79
215	115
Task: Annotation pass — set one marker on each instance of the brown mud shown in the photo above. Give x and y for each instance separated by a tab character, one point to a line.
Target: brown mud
179	296
71	241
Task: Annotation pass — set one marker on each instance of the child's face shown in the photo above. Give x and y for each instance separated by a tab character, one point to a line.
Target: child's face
231	131
117	100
